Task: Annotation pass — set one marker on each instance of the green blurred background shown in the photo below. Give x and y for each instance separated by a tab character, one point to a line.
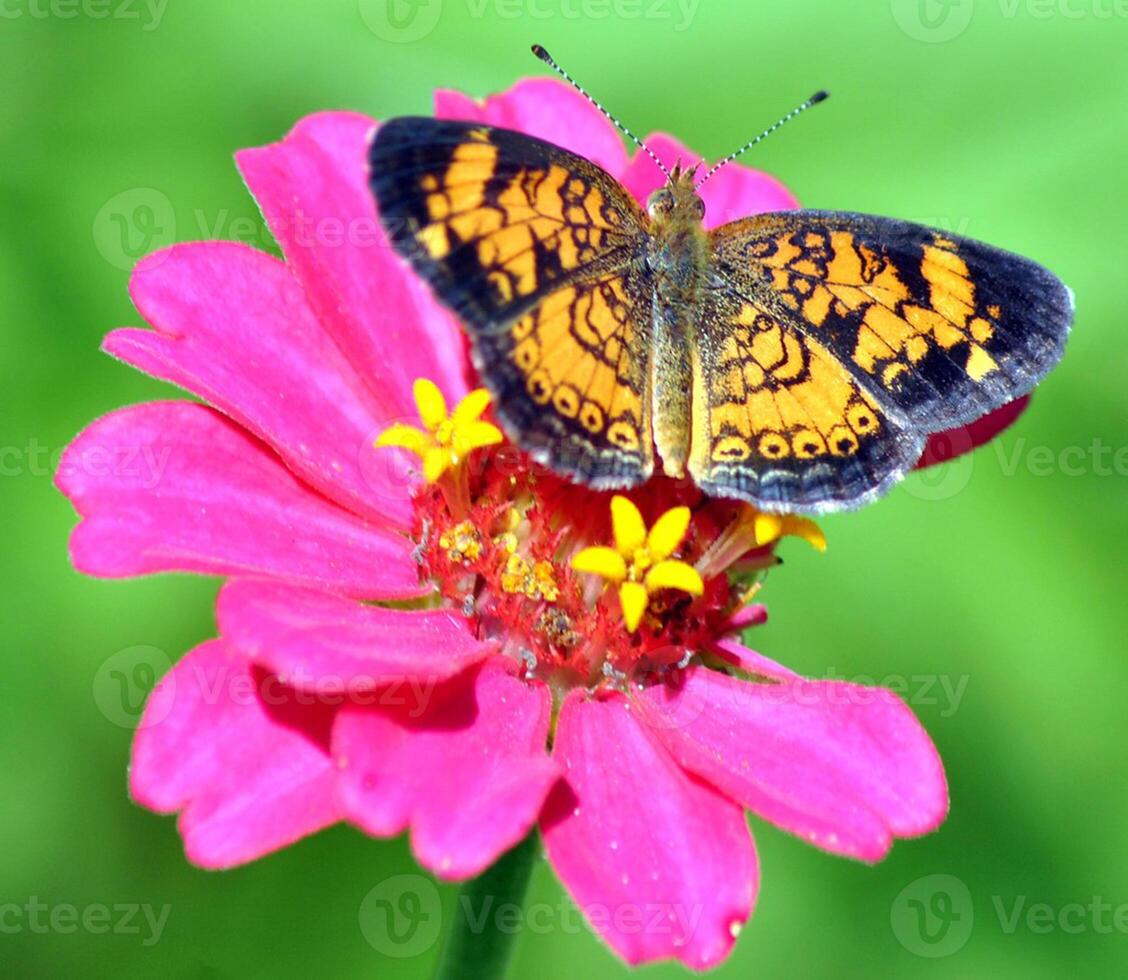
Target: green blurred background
991	591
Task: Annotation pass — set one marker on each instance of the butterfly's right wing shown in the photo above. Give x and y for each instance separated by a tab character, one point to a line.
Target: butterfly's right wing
538	252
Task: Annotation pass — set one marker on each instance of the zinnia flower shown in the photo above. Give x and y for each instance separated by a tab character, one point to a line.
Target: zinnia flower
422	630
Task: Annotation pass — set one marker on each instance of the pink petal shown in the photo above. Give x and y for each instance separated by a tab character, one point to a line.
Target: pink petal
951	443
548	109
174	486
734	192
313	191
249	778
661	865
464	766
232	326
325	644
737	654
845	766
746	617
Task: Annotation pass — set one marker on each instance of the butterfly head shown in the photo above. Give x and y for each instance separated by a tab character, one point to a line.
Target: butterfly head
677	202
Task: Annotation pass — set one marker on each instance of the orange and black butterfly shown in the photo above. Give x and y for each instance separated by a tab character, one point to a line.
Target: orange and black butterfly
796	360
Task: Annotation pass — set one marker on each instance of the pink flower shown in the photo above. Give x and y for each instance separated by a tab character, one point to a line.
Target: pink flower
317	703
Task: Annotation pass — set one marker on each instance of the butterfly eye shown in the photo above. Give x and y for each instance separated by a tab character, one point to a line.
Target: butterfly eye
661	202
699	207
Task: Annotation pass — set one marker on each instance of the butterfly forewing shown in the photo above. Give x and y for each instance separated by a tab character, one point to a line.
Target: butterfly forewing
938	328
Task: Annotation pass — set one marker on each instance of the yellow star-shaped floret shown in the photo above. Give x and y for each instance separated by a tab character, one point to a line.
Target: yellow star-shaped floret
639	563
445	439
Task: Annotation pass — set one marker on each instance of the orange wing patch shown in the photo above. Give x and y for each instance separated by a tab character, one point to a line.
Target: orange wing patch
539	253
775	394
844	339
526	228
820	273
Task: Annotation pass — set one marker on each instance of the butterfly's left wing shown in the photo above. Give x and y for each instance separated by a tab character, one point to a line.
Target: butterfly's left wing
539	253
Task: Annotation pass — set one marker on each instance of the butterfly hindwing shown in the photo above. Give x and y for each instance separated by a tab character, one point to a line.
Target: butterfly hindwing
779	422
571	379
538	252
937	328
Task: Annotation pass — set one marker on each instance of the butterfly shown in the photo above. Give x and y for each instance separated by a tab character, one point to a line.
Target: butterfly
796	360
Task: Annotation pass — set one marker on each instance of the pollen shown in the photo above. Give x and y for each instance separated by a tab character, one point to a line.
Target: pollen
507	540
462	543
556	627
536	580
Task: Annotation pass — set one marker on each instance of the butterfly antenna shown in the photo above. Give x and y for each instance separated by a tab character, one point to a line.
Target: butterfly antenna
548	60
813	100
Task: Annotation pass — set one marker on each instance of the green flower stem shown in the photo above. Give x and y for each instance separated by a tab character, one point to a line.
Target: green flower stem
476	949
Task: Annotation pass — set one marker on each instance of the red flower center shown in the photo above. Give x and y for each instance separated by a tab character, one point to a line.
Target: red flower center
498	539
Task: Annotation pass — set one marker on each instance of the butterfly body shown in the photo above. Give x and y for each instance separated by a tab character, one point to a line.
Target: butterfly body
796	360
677	260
